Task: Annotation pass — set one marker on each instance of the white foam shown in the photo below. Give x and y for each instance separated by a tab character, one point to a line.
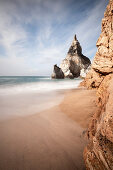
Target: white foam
39	87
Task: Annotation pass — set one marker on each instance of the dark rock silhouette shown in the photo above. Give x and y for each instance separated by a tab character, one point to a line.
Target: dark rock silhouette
57	73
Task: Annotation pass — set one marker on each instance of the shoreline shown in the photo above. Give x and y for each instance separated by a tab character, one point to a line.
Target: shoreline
51	139
22	105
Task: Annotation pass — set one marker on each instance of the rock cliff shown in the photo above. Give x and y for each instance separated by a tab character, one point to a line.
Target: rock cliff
98	154
75	64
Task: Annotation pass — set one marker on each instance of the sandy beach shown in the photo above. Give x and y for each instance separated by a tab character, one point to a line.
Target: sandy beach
50	140
79	105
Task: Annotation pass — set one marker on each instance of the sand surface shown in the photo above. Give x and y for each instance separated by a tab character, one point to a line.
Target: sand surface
49	140
80	106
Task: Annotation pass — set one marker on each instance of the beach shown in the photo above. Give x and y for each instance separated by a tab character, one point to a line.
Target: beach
80	106
51	139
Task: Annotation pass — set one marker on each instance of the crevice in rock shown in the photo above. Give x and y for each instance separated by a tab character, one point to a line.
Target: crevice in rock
103	73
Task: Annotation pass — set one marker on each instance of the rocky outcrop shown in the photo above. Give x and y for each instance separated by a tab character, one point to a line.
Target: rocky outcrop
103	60
57	73
75	61
98	154
84	72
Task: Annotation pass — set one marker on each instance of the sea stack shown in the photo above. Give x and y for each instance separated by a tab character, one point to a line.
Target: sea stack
99	152
75	64
57	73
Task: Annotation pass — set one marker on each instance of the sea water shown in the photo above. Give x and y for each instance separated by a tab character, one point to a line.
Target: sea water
25	95
35	84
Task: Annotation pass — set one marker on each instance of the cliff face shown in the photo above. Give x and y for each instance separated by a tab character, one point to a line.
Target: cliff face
75	64
103	60
98	154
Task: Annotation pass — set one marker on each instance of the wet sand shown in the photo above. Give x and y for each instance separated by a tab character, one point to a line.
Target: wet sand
49	140
80	106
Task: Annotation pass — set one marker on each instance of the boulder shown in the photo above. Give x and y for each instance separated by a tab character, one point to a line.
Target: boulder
57	73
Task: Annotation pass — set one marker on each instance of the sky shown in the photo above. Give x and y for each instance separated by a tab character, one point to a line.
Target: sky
36	34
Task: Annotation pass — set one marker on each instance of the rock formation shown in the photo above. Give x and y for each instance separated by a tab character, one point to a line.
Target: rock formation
57	73
103	61
75	61
98	154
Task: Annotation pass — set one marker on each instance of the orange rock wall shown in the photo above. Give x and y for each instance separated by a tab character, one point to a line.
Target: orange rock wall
98	154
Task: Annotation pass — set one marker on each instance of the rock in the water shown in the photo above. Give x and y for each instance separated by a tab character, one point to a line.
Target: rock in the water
57	73
66	68
98	154
75	61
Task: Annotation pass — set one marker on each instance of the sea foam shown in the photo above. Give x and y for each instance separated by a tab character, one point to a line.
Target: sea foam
42	86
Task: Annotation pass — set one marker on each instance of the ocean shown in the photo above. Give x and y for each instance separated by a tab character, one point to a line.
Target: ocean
26	95
37	84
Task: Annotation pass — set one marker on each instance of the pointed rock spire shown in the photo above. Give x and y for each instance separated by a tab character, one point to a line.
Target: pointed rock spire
75	61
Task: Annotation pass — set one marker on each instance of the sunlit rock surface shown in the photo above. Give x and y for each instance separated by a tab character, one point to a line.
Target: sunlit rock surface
98	154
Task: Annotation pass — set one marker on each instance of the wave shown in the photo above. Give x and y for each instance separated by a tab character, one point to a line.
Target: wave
40	87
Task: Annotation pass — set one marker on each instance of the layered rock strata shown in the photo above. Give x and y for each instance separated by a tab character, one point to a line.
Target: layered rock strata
98	154
75	64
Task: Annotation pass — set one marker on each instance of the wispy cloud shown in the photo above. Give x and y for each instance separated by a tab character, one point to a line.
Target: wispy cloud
36	34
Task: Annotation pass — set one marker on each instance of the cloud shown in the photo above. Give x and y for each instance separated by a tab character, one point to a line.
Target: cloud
36	34
88	28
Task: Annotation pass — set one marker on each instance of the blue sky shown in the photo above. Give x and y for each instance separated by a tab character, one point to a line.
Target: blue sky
36	34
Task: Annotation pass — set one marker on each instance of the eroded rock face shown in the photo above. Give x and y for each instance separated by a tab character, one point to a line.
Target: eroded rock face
98	154
75	61
103	60
57	73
